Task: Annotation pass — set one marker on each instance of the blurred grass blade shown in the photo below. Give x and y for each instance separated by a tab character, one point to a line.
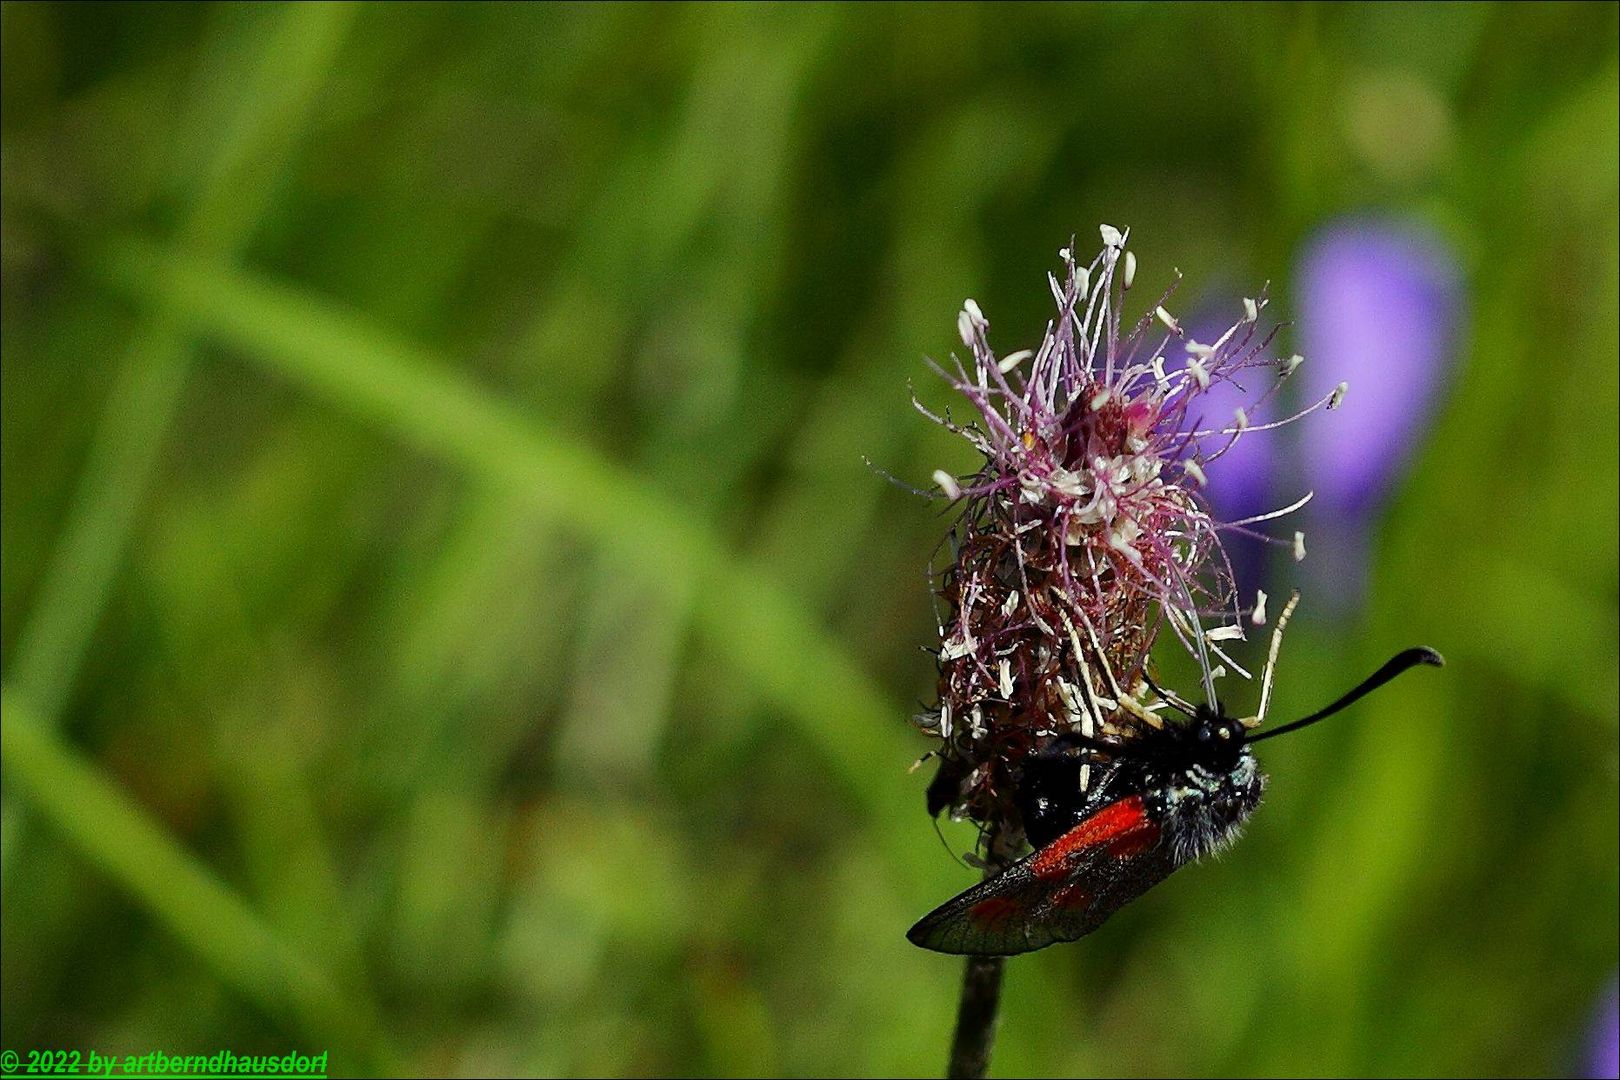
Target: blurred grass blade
418	396
294	57
120	837
140	405
293	54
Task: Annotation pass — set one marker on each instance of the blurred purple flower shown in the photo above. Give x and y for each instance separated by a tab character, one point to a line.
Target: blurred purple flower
1379	305
1603	1055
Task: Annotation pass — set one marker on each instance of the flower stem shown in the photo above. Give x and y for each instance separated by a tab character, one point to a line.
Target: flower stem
976	1018
980	1009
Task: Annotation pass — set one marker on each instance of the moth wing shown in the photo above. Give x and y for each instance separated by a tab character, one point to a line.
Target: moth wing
1062	892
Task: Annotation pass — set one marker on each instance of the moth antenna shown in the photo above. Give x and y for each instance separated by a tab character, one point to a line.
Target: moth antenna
1271	663
1174	700
1395	665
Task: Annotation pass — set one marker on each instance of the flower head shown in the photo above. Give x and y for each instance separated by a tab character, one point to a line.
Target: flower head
1086	529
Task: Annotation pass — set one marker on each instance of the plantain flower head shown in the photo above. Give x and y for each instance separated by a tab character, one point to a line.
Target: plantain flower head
1086	529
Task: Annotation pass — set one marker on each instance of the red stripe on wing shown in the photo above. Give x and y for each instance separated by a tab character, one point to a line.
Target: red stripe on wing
1138	840
992	911
1124	826
1073	896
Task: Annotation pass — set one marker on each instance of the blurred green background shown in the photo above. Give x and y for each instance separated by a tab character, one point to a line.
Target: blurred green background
447	619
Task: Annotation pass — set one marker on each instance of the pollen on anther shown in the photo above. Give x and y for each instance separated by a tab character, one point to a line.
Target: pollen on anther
1250	311
1299	547
947	483
1013	359
1196	471
1165	317
1338	395
1200	375
1259	616
1130	268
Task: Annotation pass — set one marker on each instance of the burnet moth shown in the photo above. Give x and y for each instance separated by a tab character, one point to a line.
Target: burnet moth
1111	815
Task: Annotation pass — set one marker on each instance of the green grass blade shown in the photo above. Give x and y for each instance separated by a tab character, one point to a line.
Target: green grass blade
294	54
123	840
419	397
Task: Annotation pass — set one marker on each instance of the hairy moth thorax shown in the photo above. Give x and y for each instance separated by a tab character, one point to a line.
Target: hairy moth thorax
1199	781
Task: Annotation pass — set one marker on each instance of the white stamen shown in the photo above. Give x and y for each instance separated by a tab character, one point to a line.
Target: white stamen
1259	615
1111	236
1006	680
1011	603
1168	319
1299	547
1063	253
1289	509
1082	282
1196	471
1240	418
1199	350
1200	376
1118	542
1250	311
971	306
1012	360
1271	660
1085	775
1130	268
956	648
945	721
1085	675
964	327
1218	671
1099	399
1224	633
947	483
1338	395
1291	364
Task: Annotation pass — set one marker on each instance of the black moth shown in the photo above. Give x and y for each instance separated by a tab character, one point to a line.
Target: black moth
1111	817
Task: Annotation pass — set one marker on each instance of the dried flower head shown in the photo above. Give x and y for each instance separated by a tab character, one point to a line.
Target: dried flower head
1085	531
